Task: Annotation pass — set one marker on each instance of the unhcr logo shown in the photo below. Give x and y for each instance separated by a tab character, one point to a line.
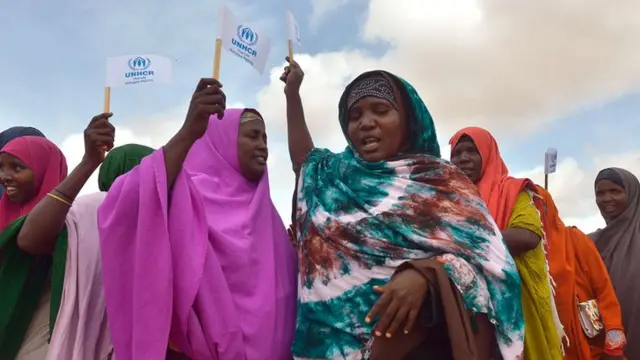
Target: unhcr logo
247	36
246	39
139	66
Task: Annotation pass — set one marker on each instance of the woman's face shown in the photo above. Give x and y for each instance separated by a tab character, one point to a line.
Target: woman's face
16	178
611	199
252	149
376	129
466	157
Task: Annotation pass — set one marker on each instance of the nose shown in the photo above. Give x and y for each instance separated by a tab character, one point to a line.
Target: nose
367	121
465	158
5	176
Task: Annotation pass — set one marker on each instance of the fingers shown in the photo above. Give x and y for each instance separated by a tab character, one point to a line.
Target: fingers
398	319
412	316
387	318
285	74
207	82
292	63
377	308
103	116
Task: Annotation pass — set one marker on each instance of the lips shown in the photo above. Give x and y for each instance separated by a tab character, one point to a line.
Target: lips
261	159
10	190
370	143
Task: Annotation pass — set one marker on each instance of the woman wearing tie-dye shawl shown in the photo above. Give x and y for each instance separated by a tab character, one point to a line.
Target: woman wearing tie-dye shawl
386	200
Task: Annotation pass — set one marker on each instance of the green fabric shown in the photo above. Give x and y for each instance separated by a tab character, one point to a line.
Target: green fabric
119	161
23	278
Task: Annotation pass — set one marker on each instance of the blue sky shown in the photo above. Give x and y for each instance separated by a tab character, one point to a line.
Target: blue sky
580	95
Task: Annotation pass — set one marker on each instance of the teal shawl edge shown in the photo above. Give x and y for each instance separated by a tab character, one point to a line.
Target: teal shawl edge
23	279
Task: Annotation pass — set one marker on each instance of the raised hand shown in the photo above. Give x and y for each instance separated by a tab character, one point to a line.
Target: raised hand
98	138
292	77
208	99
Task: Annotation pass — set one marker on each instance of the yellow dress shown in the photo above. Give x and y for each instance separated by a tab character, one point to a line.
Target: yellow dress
541	336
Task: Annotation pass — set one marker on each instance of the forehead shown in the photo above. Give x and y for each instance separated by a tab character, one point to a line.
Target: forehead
605	184
252	125
370	101
7	157
465	144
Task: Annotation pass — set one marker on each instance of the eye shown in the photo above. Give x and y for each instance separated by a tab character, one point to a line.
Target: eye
381	109
354	114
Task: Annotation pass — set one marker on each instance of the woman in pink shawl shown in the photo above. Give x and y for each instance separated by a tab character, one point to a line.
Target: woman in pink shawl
193	251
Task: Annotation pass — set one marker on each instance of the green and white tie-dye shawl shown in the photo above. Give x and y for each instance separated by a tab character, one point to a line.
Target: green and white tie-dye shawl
357	221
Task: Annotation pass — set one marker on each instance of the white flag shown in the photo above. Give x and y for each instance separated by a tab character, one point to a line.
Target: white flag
293	29
138	69
244	40
550	161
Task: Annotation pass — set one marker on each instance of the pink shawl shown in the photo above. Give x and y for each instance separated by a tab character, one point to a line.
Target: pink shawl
81	330
209	266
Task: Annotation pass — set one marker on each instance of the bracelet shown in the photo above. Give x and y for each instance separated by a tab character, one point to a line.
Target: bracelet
63	195
59	199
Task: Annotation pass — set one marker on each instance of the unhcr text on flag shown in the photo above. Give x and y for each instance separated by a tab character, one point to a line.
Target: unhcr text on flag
244	40
138	69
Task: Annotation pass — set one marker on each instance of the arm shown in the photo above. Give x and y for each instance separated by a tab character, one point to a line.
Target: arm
300	142
520	241
41	228
603	291
524	230
207	99
600	282
175	152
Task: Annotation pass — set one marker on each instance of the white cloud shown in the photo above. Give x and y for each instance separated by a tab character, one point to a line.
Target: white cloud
572	186
485	63
501	65
497	64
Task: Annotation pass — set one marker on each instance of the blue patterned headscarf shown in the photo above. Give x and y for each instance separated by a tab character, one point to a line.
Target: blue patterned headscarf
357	221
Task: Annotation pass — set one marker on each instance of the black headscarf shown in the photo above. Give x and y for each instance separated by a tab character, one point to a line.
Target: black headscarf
14	133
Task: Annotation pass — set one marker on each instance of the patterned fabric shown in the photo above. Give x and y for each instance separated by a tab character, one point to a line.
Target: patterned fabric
249	115
374	85
615	340
357	221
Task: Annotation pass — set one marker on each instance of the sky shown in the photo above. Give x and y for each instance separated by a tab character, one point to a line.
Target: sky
536	74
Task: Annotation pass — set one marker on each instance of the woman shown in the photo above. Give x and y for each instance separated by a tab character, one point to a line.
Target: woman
76	305
511	203
119	161
213	270
580	275
365	217
30	168
618	198
16	132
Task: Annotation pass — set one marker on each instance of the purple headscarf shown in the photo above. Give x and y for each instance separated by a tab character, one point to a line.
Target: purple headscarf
211	266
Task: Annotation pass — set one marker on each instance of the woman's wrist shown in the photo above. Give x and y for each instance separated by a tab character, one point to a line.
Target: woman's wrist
615	342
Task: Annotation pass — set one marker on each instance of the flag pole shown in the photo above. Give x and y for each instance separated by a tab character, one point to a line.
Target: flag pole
290	44
107	99
106	107
216	59
546	181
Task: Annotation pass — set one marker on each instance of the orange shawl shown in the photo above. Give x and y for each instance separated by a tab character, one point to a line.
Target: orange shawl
578	271
497	188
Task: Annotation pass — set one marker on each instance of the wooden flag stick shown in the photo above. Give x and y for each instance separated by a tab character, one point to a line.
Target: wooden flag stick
290	49
107	106
107	99
216	59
